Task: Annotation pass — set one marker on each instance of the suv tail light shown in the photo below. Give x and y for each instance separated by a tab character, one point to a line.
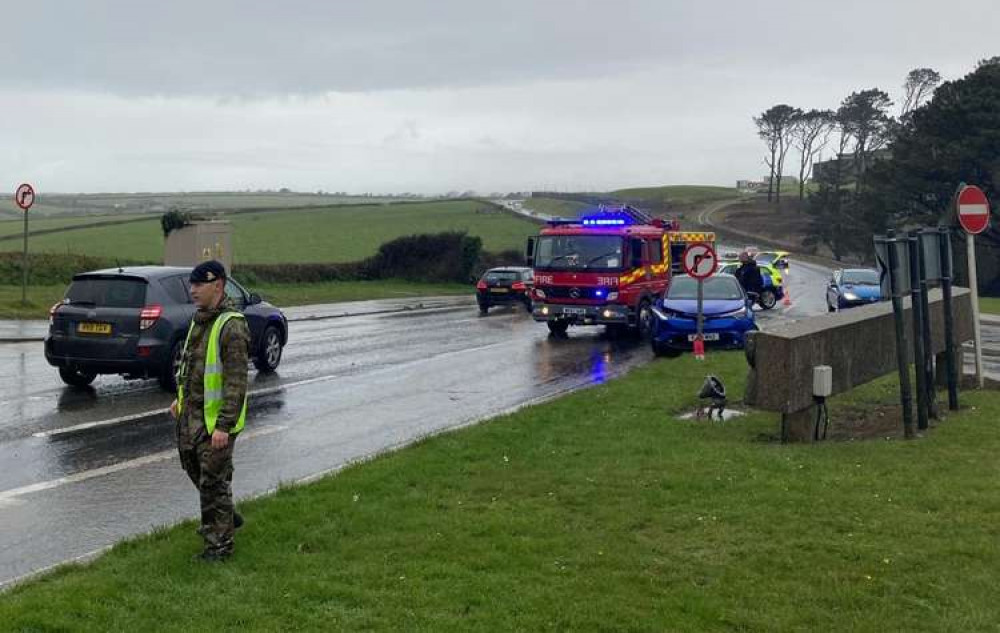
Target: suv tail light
149	316
52	312
481	285
517	285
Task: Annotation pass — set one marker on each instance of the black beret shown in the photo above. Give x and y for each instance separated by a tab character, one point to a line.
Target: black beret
208	271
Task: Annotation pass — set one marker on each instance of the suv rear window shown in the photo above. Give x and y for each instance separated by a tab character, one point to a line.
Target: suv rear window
502	275
103	292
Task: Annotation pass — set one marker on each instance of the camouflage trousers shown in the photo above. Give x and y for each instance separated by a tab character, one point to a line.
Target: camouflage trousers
211	472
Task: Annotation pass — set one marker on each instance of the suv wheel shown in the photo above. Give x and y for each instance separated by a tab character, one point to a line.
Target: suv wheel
269	355
168	375
76	378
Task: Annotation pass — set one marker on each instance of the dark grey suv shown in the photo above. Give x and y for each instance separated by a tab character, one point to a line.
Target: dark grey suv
133	321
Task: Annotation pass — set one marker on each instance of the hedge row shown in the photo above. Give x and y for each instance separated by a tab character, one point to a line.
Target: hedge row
441	257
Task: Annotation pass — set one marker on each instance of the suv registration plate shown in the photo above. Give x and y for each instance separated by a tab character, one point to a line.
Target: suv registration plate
93	328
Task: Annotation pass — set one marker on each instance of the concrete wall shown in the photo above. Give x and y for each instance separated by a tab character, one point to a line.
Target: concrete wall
859	344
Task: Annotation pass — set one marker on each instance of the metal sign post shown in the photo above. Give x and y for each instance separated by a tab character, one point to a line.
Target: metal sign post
700	262
919	316
890	264
24	197
944	246
974	216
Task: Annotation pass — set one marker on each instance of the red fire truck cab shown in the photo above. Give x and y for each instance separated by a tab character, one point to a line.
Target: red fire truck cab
606	268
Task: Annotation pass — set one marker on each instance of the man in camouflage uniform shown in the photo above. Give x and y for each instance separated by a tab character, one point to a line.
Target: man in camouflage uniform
208	459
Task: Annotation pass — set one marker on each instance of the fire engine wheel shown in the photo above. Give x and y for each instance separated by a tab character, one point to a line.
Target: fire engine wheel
558	328
644	320
767	299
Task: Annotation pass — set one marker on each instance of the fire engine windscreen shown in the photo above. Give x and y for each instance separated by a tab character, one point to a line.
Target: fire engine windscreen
580	252
717	288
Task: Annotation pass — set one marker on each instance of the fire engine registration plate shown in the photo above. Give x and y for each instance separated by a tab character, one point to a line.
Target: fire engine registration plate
711	336
93	328
574	310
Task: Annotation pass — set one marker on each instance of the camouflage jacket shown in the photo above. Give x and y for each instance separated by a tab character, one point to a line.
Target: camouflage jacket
234	353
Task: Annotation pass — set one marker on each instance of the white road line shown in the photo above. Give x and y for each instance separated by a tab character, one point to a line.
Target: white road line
13	493
258	392
146	414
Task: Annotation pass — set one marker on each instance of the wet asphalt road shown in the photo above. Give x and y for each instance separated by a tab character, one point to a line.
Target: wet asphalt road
82	468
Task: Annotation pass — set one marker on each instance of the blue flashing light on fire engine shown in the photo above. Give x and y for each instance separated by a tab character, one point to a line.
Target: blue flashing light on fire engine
604	221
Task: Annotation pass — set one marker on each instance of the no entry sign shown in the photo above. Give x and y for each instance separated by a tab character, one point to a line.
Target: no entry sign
700	261
24	196
973	210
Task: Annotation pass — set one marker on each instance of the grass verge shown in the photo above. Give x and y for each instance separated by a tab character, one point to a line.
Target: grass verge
41	298
598	511
990	305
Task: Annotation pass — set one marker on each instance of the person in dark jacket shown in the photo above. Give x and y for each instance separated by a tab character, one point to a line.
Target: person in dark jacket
748	274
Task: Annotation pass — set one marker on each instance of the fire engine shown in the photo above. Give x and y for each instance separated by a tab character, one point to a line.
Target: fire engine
605	268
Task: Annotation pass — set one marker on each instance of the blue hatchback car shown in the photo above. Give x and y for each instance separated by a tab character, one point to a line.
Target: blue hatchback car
853	287
727	312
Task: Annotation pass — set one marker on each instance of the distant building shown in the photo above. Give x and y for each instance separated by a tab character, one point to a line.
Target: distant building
750	186
826	172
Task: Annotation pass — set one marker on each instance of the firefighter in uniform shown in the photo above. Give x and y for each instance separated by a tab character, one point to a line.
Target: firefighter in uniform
211	404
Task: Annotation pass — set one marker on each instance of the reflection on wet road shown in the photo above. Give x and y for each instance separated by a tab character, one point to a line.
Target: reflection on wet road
82	468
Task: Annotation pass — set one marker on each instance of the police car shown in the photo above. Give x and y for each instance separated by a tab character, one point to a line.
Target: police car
133	321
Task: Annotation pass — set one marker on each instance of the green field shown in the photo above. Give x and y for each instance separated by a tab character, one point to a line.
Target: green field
675	194
327	234
15	227
597	512
555	207
157	203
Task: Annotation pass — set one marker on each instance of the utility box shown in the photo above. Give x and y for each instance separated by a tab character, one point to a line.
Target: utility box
199	242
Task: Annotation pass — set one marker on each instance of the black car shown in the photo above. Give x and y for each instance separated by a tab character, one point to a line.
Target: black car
133	322
502	286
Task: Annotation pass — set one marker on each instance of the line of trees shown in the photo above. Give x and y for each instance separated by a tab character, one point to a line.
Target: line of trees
859	129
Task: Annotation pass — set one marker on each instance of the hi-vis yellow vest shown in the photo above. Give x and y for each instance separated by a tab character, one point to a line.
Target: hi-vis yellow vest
213	376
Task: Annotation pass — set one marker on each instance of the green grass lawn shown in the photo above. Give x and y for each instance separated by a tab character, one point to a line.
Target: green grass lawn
990	305
328	234
597	512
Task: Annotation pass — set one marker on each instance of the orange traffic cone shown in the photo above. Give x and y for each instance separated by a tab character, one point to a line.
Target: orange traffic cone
788	290
699	348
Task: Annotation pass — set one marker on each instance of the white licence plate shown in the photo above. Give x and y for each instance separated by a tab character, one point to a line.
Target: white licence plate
574	310
711	336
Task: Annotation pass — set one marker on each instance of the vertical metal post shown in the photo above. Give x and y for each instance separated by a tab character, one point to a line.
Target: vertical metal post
701	314
895	283
24	262
916	310
927	362
977	335
944	243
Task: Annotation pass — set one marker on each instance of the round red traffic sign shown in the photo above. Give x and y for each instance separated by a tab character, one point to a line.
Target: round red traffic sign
973	209
699	260
24	196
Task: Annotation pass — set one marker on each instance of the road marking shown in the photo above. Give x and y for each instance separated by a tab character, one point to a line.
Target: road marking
13	493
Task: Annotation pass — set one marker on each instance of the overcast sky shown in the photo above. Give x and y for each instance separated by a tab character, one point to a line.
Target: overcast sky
411	95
